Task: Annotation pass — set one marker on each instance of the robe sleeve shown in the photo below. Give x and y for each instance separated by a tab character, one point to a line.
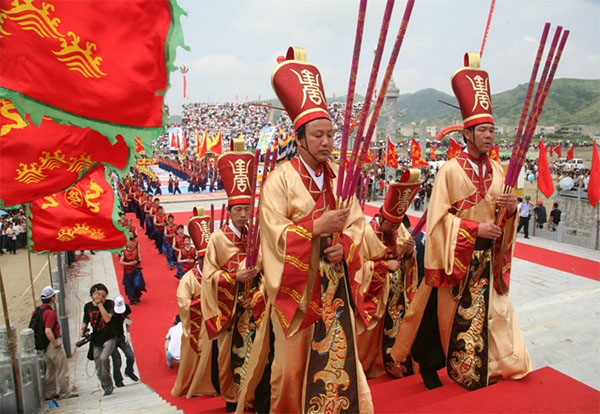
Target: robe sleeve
372	283
218	288
187	290
450	239
408	263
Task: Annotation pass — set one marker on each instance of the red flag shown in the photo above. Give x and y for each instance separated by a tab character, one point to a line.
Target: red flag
432	153
139	147
215	144
594	183
370	157
392	155
82	217
416	155
37	161
111	54
550	151
453	149
495	153
545	183
383	157
570	154
201	148
557	150
185	142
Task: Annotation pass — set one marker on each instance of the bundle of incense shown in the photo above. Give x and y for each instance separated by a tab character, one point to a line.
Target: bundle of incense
538	104
419	226
212	218
345	187
360	24
487	28
253	179
354	175
526	103
253	240
221	223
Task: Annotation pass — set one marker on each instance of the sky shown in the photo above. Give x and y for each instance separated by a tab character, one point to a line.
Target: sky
235	43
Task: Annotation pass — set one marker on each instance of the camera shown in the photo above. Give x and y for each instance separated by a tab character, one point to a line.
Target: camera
86	338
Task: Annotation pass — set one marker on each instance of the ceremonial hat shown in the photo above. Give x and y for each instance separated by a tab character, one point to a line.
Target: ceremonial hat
400	195
299	87
471	85
199	230
236	168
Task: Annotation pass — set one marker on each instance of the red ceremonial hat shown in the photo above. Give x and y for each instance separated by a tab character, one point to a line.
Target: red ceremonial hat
199	230
299	87
236	168
471	85
400	195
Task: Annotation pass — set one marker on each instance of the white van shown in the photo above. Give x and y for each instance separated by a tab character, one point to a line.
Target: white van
575	164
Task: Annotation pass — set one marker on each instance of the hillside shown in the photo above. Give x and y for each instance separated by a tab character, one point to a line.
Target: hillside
569	102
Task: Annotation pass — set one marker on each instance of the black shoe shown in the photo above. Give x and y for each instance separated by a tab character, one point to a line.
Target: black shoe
230	407
108	392
526	237
431	379
119	384
132	376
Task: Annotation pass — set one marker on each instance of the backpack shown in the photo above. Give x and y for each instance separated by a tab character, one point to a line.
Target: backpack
39	330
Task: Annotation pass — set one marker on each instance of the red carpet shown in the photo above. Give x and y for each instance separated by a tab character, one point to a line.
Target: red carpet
544	390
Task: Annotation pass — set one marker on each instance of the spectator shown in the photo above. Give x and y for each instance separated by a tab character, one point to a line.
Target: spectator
173	343
98	313
11	239
123	340
554	217
524	215
55	358
540	214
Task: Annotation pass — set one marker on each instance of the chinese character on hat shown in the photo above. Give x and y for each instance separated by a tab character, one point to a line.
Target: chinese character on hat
400	195
199	230
299	87
236	169
471	85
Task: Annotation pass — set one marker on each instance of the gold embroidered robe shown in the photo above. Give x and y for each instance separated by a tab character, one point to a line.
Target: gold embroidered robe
478	327
300	301
225	256
383	299
193	375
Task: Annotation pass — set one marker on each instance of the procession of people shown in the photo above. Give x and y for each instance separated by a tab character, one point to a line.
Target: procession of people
341	295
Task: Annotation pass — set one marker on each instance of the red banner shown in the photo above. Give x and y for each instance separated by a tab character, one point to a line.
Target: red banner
41	161
495	152
432	153
570	154
392	155
544	181
594	184
416	155
453	149
80	217
102	60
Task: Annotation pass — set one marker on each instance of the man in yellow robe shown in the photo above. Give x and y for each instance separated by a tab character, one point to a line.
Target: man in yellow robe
195	375
468	256
232	303
389	280
306	345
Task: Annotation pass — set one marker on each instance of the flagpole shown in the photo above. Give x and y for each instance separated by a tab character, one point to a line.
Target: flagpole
31	277
11	347
537	193
50	267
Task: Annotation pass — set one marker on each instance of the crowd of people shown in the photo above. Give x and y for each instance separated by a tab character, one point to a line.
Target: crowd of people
13	228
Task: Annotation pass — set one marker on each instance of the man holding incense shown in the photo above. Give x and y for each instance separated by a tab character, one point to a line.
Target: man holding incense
306	345
468	256
388	281
195	375
232	301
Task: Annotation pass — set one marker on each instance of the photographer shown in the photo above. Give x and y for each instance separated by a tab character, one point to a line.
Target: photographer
99	313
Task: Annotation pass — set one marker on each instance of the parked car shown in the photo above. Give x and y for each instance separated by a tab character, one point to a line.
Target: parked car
575	164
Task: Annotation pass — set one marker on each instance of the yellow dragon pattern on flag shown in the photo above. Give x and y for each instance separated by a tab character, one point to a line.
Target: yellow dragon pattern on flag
40	20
